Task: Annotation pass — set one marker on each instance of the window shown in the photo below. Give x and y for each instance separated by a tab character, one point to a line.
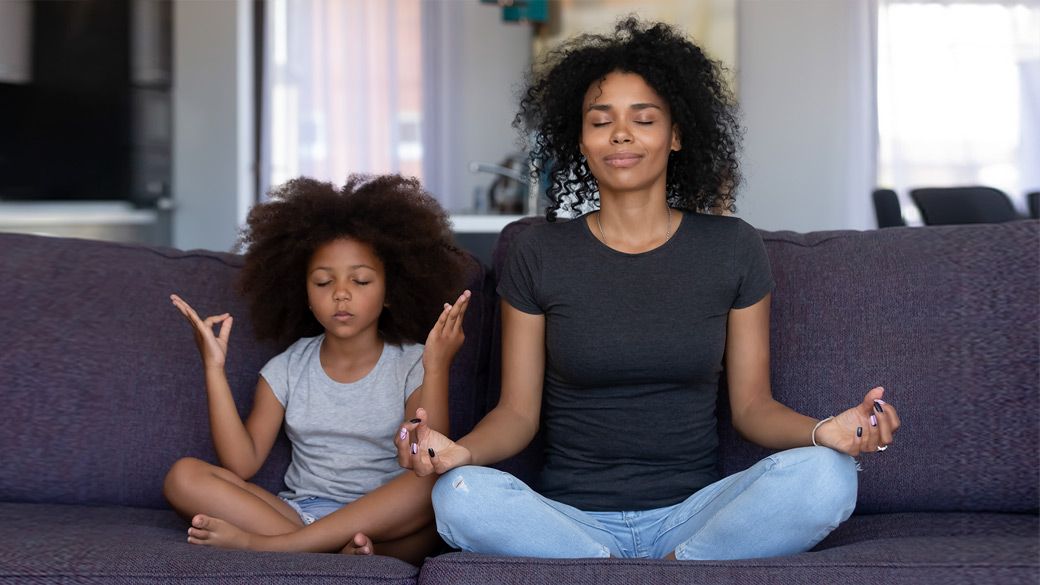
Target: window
959	95
342	90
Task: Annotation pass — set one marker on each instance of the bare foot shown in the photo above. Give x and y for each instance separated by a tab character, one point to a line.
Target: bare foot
361	545
209	531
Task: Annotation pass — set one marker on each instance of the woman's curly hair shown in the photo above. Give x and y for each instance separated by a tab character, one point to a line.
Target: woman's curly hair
405	226
701	177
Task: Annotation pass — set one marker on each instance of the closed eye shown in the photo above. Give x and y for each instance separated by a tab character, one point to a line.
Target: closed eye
363	282
326	283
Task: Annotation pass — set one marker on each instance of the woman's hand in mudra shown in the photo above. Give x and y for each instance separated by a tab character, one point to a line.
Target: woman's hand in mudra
425	451
866	428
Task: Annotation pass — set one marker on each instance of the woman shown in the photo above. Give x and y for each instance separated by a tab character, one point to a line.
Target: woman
617	325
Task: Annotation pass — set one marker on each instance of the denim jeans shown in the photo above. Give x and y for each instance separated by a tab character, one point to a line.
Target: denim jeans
784	504
311	508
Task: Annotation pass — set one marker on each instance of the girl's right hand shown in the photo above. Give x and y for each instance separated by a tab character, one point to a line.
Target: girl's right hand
213	348
425	451
446	337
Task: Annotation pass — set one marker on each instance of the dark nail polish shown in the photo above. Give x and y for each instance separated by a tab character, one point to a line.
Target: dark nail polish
878	408
432	454
415	421
859	431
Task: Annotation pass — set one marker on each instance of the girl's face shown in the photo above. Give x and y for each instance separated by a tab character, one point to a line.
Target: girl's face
627	134
346	288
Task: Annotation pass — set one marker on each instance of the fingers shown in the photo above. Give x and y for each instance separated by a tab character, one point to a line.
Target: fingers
883	421
194	318
409	455
454	317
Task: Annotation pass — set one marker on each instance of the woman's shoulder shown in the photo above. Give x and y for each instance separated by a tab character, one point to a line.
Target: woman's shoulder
720	224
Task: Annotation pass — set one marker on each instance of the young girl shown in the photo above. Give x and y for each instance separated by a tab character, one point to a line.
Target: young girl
616	328
360	275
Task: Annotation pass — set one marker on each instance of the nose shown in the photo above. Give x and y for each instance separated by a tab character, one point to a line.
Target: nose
341	294
620	135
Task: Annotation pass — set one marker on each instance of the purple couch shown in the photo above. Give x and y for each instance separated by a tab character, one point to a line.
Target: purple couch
103	391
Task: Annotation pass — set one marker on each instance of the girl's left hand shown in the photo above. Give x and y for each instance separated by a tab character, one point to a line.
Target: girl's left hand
865	428
446	337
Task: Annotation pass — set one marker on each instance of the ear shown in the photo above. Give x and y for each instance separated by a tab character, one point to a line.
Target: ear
676	138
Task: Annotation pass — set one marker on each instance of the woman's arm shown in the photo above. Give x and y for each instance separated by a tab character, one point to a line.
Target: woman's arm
759	418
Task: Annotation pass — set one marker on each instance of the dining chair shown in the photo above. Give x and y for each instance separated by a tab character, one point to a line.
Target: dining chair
956	205
888	209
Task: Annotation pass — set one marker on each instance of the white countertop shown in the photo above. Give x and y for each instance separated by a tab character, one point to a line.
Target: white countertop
476	224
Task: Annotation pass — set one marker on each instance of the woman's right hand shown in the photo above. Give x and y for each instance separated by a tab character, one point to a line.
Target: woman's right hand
213	348
425	451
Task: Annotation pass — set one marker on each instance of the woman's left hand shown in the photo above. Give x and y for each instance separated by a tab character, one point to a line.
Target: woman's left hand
865	428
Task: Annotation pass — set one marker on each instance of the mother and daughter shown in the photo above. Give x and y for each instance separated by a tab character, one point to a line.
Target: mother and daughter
616	327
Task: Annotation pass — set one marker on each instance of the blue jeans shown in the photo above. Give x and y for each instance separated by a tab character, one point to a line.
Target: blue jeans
782	505
311	508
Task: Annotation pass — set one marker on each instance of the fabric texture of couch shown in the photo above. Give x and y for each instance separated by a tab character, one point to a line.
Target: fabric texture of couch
103	391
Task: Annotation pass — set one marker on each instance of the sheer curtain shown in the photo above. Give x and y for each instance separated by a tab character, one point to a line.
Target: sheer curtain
342	89
959	95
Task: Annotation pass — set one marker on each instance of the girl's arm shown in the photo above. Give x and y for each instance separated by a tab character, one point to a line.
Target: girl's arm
442	344
241	447
511	425
758	417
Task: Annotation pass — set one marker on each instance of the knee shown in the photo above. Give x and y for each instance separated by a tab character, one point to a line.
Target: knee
183	476
456	493
449	492
834	484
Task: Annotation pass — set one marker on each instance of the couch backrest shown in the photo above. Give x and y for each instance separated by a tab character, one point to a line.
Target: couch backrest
945	318
101	381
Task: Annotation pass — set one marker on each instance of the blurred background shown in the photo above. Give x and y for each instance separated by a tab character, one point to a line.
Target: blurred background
163	121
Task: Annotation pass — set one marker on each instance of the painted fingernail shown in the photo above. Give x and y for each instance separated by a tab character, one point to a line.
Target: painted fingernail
404	434
877	407
432	454
859	431
879	401
415	448
415	421
873	421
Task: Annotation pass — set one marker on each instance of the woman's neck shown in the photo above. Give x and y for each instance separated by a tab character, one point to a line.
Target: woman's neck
634	224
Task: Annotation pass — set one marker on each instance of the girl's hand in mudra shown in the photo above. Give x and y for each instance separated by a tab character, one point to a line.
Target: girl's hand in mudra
212	347
866	428
425	451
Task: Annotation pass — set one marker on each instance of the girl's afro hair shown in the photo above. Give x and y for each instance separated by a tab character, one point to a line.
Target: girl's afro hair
406	227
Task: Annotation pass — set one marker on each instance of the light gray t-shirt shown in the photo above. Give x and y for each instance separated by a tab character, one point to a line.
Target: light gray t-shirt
342	434
634	348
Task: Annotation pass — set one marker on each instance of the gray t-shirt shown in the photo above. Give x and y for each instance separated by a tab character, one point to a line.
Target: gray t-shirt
342	434
634	348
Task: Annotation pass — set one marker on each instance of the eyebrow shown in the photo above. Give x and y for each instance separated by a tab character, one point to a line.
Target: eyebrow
608	107
354	267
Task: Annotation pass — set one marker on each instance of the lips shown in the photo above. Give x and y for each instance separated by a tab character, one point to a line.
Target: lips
342	316
622	159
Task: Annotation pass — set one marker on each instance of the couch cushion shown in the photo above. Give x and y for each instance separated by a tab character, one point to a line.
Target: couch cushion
103	384
946	319
44	543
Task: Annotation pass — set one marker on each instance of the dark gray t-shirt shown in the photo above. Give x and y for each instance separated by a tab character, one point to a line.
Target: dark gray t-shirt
634	346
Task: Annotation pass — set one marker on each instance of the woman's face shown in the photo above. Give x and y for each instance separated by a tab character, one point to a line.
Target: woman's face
627	134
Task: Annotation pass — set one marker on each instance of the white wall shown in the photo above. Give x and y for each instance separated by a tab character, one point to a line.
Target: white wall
478	60
809	150
15	41
210	123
